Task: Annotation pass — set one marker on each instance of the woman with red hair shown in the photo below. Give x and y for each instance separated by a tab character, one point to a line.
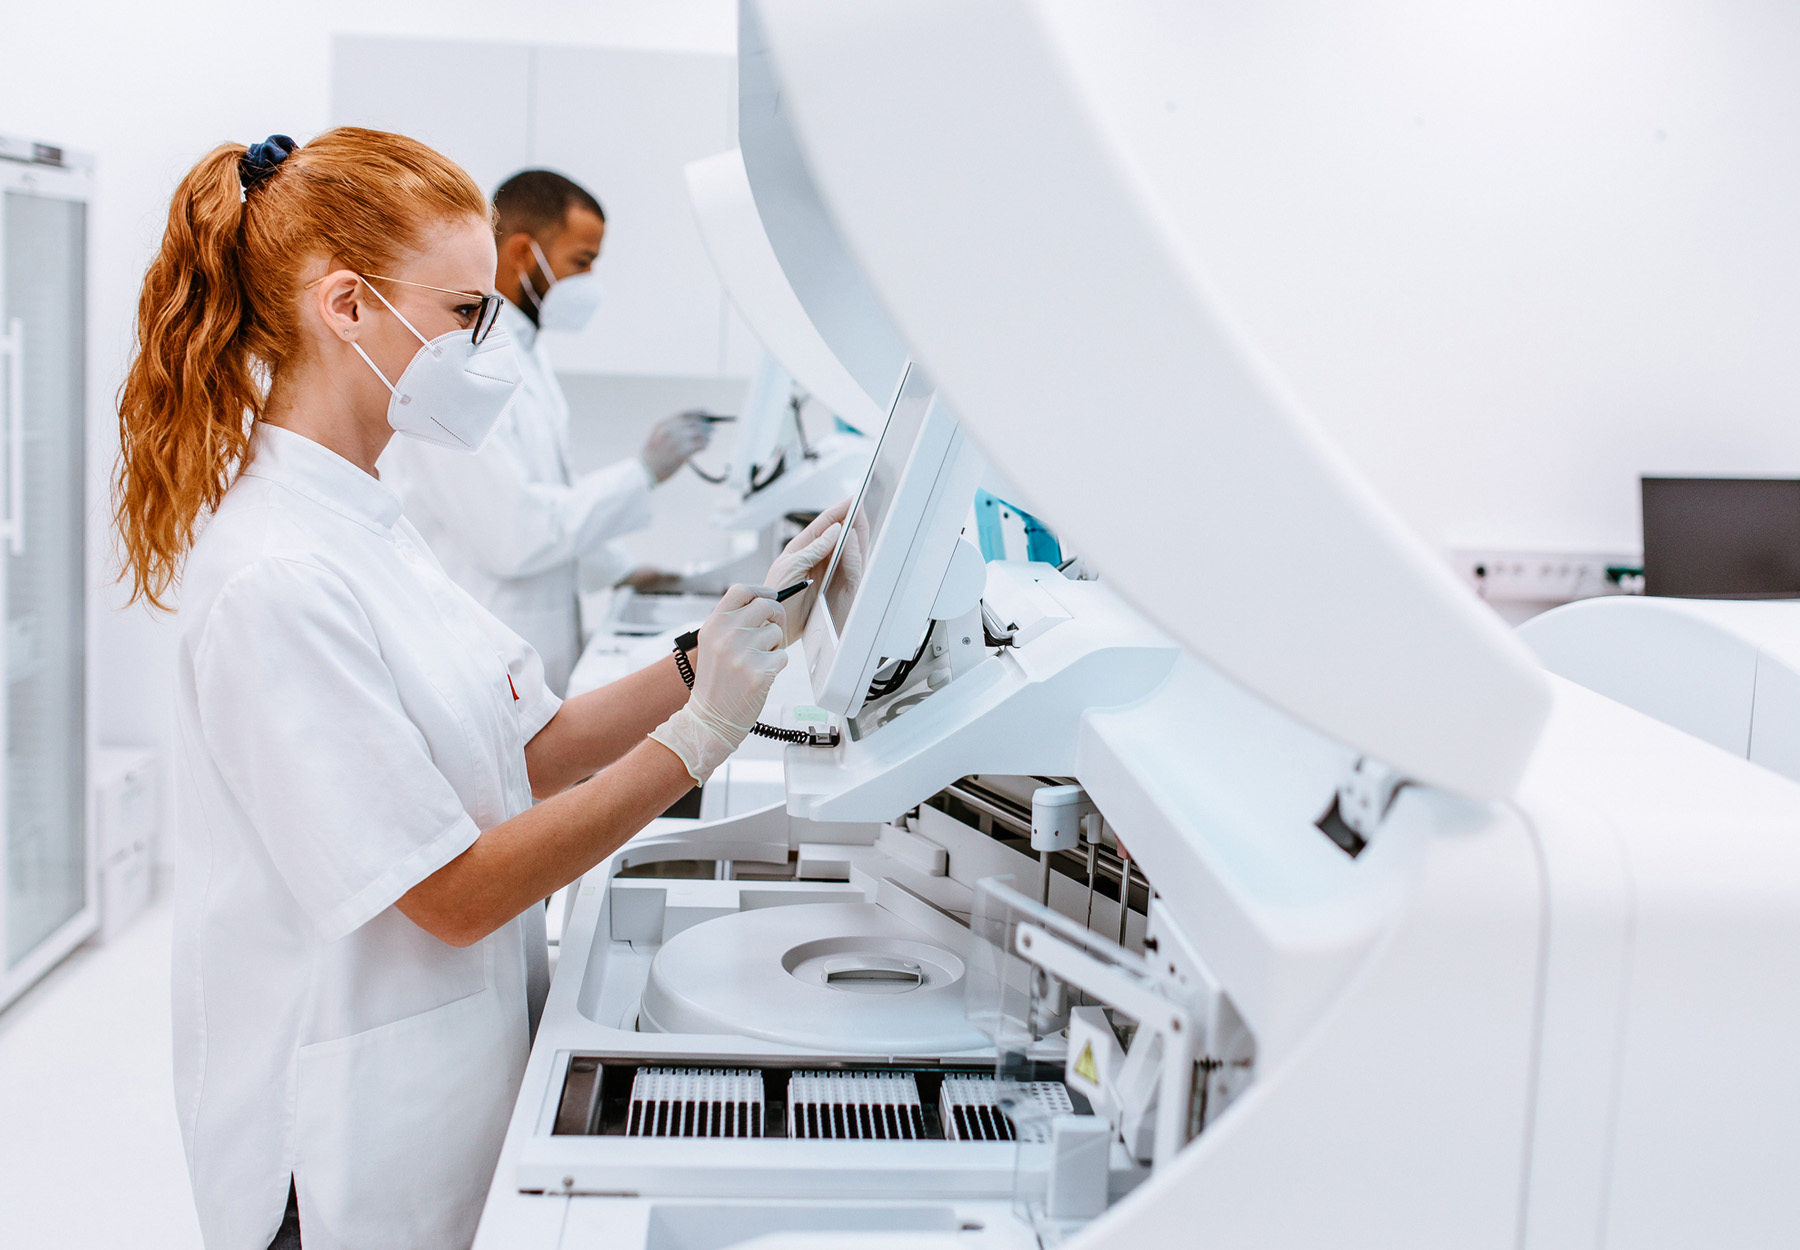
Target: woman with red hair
360	861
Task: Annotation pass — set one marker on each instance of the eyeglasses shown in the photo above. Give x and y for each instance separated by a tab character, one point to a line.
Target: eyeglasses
486	313
487	310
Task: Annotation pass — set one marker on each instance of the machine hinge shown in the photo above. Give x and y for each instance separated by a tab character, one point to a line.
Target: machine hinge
1361	802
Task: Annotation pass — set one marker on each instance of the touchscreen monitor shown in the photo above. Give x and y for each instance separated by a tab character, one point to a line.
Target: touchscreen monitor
881	585
870	511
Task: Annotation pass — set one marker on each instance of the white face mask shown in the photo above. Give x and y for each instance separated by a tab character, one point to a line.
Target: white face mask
454	391
570	302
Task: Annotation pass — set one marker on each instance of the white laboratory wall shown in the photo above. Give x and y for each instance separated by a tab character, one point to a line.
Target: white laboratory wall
149	89
1511	253
623	122
469	100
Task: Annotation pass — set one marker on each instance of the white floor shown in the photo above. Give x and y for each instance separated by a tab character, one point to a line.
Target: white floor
90	1154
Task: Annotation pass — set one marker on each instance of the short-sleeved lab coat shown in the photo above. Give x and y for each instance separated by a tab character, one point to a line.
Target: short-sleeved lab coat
348	721
510	523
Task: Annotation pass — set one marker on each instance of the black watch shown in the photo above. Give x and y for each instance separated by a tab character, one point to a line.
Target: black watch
687	642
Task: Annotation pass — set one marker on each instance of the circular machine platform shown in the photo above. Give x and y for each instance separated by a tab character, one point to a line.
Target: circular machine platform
828	976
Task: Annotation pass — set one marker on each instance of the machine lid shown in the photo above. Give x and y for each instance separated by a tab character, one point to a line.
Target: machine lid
1054	297
726	211
833	289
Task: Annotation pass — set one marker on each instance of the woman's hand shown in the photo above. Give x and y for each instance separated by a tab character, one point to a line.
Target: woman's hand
803	557
741	651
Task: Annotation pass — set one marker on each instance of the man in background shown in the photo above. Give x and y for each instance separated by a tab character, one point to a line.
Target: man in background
510	522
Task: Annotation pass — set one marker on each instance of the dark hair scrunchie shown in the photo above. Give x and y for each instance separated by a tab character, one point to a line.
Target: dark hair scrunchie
257	165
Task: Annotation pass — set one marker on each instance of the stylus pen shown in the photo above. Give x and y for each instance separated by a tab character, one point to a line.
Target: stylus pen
711	418
783	595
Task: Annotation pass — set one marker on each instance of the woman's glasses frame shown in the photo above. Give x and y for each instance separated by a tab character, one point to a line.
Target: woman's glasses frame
487	311
485	315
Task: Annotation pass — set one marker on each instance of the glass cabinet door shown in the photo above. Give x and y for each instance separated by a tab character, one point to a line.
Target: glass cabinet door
43	283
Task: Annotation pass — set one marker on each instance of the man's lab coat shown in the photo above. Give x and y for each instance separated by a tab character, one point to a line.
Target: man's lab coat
509	522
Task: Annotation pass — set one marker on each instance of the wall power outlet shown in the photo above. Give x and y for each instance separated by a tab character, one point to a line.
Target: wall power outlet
1544	577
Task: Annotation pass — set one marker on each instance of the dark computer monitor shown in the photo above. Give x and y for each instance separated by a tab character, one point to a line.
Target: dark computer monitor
1722	537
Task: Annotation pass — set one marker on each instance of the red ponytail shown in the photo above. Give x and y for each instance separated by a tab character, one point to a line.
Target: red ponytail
219	315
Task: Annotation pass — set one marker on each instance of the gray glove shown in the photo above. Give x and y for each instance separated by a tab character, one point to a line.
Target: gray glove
675	438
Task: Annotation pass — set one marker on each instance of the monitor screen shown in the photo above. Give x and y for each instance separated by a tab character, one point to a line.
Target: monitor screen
870	510
762	424
1722	538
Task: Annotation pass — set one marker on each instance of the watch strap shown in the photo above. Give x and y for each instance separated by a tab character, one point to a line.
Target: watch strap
684	644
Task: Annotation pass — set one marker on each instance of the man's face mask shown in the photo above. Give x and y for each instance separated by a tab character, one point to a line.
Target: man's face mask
569	303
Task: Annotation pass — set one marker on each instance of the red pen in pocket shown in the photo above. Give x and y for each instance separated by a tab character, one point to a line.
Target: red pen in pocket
511	687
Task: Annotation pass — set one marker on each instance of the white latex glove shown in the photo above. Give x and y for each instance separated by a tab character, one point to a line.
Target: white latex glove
741	651
806	556
672	441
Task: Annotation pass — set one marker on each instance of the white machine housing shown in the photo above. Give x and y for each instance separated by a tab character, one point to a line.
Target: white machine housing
1547	995
725	210
1726	671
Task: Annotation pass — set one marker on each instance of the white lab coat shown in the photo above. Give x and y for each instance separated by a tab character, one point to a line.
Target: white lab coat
348	721
509	523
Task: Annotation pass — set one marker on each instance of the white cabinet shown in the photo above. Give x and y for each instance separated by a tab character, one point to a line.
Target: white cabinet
47	870
127	790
